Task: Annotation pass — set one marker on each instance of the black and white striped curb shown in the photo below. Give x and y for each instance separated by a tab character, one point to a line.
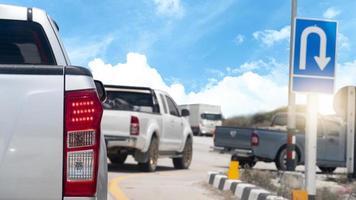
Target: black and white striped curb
243	191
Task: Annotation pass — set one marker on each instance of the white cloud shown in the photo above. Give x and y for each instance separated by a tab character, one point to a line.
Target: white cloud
171	8
269	37
239	39
343	42
242	93
345	74
250	66
135	72
331	13
80	53
245	93
271	68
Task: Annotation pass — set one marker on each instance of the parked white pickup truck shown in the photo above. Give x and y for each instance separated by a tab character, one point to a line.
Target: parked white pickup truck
50	142
145	123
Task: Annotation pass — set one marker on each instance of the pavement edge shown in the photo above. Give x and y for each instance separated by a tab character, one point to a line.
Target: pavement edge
243	191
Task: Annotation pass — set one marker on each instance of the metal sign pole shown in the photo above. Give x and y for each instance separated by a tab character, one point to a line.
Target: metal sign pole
350	127
291	123
310	145
351	140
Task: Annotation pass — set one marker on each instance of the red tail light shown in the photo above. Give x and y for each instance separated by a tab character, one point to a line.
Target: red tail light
83	112
135	126
255	140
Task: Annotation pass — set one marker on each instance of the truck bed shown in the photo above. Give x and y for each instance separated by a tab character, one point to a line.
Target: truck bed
231	138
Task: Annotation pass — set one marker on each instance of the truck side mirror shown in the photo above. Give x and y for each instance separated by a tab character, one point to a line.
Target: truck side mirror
100	89
185	113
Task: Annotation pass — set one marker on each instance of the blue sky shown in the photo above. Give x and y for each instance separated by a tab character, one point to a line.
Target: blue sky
196	46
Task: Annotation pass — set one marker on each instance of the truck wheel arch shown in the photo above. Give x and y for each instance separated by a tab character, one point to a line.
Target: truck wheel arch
187	135
284	146
142	156
153	133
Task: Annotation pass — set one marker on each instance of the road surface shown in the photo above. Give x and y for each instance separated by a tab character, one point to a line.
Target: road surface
127	182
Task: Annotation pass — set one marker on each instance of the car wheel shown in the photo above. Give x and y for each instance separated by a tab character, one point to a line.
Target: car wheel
327	170
281	159
151	164
187	155
118	158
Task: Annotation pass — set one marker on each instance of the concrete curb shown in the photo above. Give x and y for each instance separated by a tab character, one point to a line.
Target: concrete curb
244	191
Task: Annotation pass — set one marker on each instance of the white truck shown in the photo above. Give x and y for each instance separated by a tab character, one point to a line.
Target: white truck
147	124
51	147
203	118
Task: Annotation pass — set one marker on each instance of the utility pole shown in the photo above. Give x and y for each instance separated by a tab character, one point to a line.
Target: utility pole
291	124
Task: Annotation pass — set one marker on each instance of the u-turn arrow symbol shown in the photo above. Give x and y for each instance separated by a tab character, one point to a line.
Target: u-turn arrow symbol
321	60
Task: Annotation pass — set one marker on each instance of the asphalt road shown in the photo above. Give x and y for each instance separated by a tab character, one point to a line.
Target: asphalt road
127	182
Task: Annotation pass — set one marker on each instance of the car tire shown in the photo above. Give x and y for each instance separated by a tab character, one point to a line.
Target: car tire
281	159
118	158
327	170
187	155
151	164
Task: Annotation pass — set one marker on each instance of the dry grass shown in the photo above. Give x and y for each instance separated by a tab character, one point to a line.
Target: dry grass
270	181
326	194
259	178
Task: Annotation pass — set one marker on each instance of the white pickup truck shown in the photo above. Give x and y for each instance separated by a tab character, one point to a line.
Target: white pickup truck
145	123
50	142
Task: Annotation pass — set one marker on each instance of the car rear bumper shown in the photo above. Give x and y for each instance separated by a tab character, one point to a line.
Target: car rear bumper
244	154
203	130
80	198
130	142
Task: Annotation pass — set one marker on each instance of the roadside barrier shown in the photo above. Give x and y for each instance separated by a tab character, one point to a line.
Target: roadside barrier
243	191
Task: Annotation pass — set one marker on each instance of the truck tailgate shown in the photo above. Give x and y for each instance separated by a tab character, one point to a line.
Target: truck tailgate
232	137
31	132
116	123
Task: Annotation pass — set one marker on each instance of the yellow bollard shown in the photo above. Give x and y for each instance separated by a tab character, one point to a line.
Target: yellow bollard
234	169
299	195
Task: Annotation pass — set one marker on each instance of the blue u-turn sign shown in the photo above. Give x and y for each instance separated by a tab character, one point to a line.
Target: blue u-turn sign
314	55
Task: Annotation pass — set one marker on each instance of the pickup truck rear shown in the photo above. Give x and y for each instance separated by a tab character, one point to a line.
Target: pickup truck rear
147	124
269	144
50	142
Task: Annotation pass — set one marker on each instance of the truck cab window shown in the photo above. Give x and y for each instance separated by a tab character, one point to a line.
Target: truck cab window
213	117
332	128
282	119
173	110
24	43
279	120
132	101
